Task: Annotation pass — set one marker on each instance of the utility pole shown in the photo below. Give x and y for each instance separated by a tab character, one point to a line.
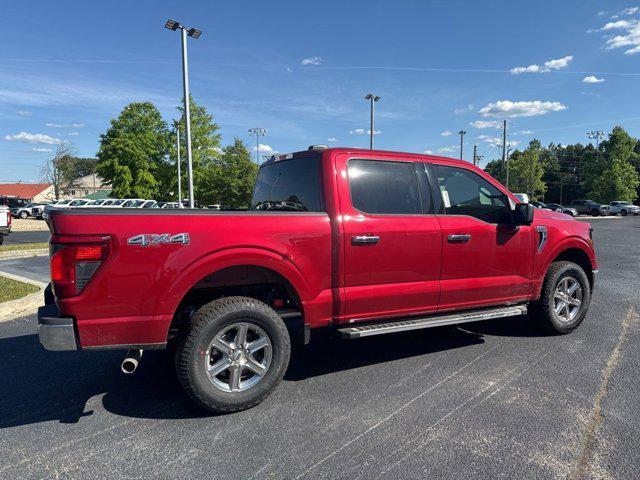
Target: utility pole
475	150
193	33
257	132
462	133
179	175
372	100
507	159
504	143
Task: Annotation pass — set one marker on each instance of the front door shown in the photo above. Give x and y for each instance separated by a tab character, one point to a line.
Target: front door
391	238
486	259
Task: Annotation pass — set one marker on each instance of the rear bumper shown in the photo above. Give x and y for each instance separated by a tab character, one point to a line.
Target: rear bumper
56	333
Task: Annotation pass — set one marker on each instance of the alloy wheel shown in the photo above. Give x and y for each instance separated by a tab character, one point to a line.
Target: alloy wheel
238	357
567	299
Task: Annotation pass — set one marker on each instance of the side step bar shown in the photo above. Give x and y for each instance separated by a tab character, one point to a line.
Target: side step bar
402	325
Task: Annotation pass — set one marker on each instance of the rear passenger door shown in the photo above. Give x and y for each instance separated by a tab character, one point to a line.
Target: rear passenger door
391	238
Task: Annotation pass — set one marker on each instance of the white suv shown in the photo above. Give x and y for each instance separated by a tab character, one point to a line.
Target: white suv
623	208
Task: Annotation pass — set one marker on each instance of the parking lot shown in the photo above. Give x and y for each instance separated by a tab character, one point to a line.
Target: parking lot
493	399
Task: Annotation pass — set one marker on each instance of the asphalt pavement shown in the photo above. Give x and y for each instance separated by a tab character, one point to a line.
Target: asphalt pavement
34	268
27	237
495	399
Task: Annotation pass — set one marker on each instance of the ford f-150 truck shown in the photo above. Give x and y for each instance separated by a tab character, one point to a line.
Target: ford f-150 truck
362	242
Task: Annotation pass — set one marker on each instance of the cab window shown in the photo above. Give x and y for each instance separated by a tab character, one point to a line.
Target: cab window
467	193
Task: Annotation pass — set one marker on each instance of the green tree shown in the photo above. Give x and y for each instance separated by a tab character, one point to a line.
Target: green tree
205	149
526	169
494	168
618	182
132	155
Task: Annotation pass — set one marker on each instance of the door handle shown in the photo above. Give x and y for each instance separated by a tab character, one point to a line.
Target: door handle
365	239
459	238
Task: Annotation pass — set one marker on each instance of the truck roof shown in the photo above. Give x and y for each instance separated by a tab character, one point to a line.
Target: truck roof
316	152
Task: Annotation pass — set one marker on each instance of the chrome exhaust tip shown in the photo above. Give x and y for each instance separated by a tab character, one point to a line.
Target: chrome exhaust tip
131	361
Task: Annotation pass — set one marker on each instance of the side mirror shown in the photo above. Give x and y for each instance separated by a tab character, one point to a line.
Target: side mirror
523	214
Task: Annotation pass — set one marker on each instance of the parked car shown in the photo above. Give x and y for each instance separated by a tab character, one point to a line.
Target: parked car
26	211
168	205
55	205
5	222
380	242
559	208
623	208
589	207
541	205
13	202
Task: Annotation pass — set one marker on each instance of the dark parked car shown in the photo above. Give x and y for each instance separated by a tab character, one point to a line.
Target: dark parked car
589	207
541	205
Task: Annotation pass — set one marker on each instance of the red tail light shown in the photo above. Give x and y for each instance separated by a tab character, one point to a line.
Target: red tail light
74	261
9	218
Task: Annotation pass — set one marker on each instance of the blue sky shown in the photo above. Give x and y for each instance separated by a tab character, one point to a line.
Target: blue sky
301	70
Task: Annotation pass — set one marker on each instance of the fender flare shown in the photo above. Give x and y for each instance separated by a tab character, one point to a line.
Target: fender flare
233	257
573	242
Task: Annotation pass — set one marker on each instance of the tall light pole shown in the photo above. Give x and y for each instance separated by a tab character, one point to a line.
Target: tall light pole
258	132
372	100
462	133
179	175
193	33
596	135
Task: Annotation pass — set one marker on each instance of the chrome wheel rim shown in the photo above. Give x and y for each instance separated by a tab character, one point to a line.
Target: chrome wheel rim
238	357
567	299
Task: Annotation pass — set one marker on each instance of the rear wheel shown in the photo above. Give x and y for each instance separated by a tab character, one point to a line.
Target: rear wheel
23	215
564	299
234	355
624	213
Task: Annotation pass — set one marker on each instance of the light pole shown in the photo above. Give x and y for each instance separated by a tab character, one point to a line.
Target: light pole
462	133
179	175
258	132
372	100
193	33
596	135
508	151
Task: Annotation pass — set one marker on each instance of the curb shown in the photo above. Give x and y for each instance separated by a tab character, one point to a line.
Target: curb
37	252
22	306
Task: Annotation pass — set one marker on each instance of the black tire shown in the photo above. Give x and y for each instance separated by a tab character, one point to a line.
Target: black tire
623	212
23	214
595	213
544	309
1	239
192	352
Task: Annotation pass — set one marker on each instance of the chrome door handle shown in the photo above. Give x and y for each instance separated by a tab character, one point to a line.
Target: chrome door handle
365	239
459	238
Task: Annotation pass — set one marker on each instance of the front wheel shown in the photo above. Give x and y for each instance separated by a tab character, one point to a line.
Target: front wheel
564	299
234	354
23	215
624	213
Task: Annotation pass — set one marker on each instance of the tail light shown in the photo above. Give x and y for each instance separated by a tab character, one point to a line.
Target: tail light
74	261
9	218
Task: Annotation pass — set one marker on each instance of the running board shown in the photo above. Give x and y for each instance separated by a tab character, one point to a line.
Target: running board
403	325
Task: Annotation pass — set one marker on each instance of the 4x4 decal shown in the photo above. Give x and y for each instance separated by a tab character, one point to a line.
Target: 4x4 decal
146	239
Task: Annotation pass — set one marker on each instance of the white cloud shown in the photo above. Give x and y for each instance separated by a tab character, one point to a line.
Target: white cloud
524	132
63	125
492	140
311	61
23	113
27	137
630	11
601	13
362	131
468	108
41	149
486	124
592	79
428	152
507	108
450	149
263	148
547	66
332	139
74	134
446	133
629	37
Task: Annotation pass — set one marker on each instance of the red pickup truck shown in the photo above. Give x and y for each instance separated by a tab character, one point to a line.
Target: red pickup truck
363	242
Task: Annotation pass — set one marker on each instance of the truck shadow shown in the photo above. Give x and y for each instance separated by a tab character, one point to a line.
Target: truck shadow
39	386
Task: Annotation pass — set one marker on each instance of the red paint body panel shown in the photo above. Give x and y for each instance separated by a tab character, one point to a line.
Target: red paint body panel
134	294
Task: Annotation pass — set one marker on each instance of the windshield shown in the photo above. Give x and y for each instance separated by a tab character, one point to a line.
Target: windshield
290	185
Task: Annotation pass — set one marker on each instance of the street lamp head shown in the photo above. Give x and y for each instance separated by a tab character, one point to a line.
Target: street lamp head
462	132
376	98
194	33
368	96
259	132
172	25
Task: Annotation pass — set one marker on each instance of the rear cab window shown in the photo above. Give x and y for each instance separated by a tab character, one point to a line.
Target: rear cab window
293	185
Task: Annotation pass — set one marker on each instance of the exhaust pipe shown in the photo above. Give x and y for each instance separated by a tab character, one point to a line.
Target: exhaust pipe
131	361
